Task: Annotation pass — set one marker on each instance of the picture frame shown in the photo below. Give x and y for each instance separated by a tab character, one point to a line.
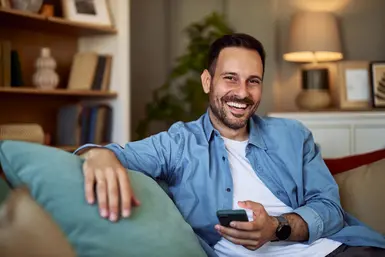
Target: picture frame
377	82
93	12
354	84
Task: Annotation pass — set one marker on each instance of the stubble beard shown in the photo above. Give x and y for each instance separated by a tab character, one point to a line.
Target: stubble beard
217	106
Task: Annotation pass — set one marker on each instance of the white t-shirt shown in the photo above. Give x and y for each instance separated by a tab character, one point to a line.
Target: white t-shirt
247	186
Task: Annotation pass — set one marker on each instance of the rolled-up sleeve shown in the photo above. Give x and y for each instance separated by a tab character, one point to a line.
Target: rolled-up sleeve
322	209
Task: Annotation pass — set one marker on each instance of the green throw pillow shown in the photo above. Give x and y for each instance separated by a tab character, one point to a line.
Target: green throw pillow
55	179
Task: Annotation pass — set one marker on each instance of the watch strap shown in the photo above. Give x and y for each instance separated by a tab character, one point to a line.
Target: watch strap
282	222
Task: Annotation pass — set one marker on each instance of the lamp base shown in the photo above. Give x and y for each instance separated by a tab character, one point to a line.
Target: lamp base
314	99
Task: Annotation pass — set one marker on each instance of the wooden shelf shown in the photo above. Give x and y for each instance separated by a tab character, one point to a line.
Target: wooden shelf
58	92
37	22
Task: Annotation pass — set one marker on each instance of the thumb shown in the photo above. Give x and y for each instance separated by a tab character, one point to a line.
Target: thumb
257	208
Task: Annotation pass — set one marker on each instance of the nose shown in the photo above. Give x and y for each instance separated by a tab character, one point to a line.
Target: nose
242	90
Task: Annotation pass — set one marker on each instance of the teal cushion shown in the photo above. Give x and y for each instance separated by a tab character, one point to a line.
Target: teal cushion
156	228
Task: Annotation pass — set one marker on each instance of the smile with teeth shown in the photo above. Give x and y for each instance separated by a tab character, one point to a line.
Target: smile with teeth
237	105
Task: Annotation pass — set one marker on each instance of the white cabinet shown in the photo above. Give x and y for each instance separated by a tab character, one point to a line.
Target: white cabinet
333	140
343	133
369	138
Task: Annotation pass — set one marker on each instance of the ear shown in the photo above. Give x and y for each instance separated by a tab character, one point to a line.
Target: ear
206	81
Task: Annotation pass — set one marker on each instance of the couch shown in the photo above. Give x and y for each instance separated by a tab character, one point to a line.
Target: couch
41	201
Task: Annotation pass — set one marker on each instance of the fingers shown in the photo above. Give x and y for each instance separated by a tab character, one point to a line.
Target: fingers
248	239
239	234
89	182
125	193
113	194
113	190
260	215
241	225
252	248
248	243
101	189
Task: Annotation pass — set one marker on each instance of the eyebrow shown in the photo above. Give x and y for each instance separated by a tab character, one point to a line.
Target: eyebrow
235	74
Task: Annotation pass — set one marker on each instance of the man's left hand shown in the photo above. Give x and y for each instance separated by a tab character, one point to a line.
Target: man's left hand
252	234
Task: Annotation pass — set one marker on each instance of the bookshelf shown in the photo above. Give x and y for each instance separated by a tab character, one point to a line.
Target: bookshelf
28	33
31	21
57	92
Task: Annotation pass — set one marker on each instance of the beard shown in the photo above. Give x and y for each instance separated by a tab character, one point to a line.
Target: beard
218	107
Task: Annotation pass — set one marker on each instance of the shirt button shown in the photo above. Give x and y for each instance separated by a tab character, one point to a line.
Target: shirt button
228	189
223	158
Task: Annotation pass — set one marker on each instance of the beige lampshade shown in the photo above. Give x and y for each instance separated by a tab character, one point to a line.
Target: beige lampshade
314	37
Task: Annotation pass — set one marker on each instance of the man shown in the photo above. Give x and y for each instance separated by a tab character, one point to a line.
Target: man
232	159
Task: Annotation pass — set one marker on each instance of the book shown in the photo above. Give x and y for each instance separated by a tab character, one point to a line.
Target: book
83	71
79	124
90	71
5	63
7	48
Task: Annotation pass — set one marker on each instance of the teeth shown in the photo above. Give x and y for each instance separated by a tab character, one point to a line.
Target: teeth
237	105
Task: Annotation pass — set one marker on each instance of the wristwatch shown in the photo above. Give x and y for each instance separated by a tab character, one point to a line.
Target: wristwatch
283	230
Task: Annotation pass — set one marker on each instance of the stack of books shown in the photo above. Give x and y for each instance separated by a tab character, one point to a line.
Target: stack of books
79	124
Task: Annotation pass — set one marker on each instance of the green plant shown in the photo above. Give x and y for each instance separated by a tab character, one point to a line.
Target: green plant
181	97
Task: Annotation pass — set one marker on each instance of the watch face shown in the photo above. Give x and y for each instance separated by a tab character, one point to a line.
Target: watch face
284	232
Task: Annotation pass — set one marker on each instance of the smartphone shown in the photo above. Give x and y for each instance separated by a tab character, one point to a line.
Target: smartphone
227	216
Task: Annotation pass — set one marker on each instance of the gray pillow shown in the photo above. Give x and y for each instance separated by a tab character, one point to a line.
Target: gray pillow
55	180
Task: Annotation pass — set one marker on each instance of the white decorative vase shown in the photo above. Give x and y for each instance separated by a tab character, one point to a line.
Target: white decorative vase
45	76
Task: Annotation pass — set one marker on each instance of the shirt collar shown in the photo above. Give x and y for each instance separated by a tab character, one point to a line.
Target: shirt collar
255	134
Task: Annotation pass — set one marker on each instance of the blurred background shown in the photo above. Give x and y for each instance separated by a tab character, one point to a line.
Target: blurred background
158	38
100	71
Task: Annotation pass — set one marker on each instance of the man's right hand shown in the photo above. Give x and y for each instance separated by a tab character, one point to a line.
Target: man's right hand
105	176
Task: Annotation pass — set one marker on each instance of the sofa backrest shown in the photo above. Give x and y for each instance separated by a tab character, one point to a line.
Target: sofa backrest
361	181
338	165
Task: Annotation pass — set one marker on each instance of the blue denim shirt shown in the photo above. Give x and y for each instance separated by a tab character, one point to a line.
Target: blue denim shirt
192	159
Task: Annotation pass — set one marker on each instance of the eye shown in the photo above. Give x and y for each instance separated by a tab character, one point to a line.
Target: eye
230	78
255	81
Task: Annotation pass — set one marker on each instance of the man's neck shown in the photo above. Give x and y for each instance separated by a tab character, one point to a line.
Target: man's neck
238	135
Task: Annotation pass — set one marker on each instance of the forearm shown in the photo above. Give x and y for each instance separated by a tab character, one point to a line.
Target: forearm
299	228
146	156
156	156
88	150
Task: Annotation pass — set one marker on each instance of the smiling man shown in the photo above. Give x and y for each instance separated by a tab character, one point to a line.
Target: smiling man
230	158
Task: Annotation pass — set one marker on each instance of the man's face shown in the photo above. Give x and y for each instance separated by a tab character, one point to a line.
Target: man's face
236	88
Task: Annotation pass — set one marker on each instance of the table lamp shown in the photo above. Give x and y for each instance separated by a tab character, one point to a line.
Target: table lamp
314	37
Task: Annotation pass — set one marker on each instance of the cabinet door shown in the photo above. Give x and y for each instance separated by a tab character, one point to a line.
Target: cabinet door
334	141
368	139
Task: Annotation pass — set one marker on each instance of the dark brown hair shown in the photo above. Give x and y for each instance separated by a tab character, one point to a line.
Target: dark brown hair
234	40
